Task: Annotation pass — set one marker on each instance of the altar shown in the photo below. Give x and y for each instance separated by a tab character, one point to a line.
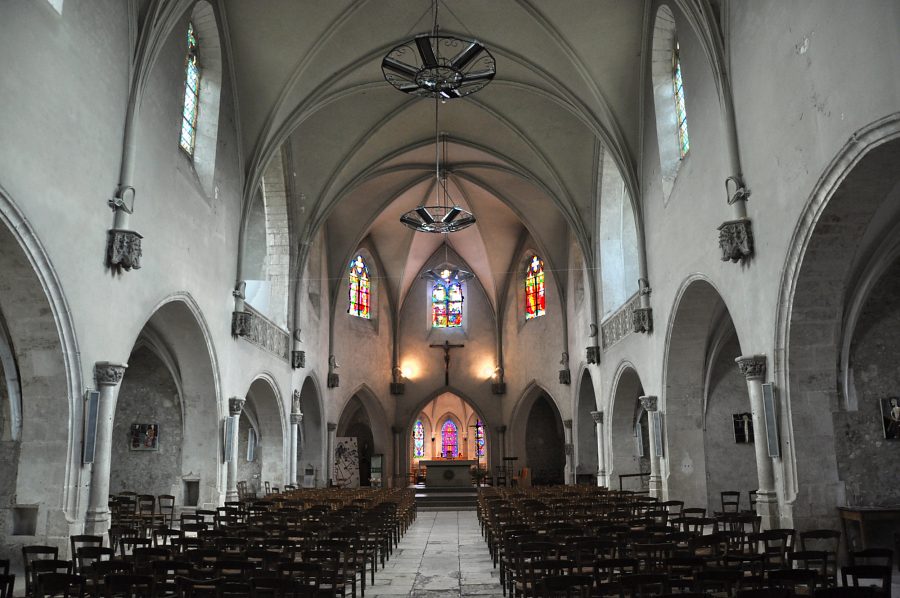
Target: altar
448	472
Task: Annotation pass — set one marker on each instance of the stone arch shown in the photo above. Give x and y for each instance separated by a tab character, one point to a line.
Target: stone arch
179	337
44	358
264	411
312	442
538	437
629	446
364	403
585	429
665	36
693	343
844	226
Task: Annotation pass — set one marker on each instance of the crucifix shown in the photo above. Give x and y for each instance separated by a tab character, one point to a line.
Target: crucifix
446	347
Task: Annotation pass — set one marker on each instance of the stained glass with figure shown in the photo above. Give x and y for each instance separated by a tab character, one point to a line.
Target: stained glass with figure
534	289
479	439
359	289
684	144
191	104
449	440
447	301
418	440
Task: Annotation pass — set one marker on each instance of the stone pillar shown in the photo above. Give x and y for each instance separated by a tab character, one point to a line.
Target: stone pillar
570	452
501	433
296	420
398	459
753	367
329	460
235	406
109	375
601	457
650	405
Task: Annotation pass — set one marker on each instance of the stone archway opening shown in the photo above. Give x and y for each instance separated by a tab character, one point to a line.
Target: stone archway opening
545	443
447	427
311	441
261	455
587	464
629	435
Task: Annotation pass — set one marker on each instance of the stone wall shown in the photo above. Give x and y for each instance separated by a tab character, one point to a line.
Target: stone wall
148	396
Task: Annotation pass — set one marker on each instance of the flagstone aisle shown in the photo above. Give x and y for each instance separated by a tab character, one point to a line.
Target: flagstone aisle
442	555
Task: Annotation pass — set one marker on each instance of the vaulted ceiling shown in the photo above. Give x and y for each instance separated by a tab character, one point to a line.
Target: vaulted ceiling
522	153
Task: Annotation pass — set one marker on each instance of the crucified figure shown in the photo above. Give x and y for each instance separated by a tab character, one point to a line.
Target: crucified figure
446	346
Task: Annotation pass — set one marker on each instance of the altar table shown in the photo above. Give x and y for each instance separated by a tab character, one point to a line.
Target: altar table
448	473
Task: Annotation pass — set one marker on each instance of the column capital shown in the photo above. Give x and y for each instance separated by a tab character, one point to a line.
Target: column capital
296	419
567	423
109	374
332	426
649	403
396	430
501	429
752	366
597	416
235	406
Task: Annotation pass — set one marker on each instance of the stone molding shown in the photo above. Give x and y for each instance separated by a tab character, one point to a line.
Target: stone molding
235	406
123	249
621	323
298	360
736	240
109	374
649	403
597	417
753	367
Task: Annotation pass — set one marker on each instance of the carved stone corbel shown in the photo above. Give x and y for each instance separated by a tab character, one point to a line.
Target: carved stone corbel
736	240
298	359
498	388
334	380
752	366
398	388
241	322
649	403
593	354
109	374
235	406
565	376
642	319
123	249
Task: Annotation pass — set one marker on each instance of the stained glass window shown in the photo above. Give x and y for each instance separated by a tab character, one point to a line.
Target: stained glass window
446	301
449	440
684	145
359	289
479	439
191	93
534	289
418	440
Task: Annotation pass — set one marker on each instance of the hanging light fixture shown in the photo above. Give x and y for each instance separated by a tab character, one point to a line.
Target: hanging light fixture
447	272
439	66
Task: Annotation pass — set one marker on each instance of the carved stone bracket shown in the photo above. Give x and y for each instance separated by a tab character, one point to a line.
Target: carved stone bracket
332	426
398	388
298	359
752	366
593	354
296	402
109	374
240	323
570	449
736	240
296	419
498	388
642	319
597	416
235	406
334	380
123	249
567	423
649	403
565	376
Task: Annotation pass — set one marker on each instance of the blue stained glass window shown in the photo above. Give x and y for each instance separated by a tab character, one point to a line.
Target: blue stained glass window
447	301
191	104
684	144
449	440
418	440
479	439
359	289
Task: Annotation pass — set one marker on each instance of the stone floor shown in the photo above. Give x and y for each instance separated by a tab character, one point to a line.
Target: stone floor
441	555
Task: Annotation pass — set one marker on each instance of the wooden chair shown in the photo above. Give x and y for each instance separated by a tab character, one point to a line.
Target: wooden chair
79	540
60	585
166	505
7	583
304	578
566	586
95	576
86	556
856	575
128	586
269	587
797	581
731	501
198	588
35	553
42	567
872	556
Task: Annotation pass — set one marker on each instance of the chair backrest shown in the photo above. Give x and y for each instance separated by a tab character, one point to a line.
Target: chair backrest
269	587
7	583
828	540
79	540
35	553
86	556
856	575
42	567
122	585
731	501
872	556
67	585
197	588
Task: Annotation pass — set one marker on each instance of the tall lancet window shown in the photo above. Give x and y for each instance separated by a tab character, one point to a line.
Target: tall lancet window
534	289
479	439
418	440
447	301
684	144
449	440
359	289
191	93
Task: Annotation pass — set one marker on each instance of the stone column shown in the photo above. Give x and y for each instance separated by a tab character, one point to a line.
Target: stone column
109	375
296	420
398	470
753	367
329	460
235	406
570	452
650	405
601	456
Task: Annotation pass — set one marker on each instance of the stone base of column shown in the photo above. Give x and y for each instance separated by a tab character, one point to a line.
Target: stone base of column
231	495
96	522
767	508
656	487
601	478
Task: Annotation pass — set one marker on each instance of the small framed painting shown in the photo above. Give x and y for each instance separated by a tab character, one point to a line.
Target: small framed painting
743	428
890	417
144	437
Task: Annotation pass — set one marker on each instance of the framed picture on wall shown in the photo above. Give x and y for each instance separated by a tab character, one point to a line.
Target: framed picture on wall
890	417
743	428
144	437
